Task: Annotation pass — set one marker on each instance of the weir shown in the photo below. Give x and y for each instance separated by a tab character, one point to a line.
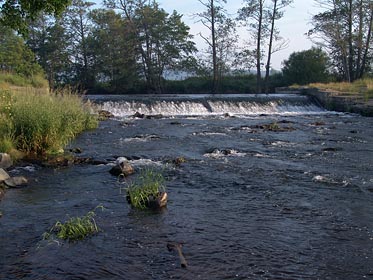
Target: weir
204	105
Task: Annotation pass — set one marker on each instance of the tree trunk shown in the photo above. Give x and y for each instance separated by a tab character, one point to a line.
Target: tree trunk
350	43
367	42
214	56
258	49
268	65
359	41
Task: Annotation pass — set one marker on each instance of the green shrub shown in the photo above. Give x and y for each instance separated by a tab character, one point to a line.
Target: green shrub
149	184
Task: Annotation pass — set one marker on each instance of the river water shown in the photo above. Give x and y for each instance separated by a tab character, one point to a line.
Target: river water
273	187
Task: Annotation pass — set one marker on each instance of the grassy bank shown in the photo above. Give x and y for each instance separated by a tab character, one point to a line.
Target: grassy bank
9	80
33	120
360	88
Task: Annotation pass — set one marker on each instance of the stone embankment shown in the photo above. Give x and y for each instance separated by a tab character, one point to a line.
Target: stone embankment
335	101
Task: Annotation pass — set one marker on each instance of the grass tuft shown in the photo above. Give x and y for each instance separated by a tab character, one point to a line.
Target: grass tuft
76	228
149	184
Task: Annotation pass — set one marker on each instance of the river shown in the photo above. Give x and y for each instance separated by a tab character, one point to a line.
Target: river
273	187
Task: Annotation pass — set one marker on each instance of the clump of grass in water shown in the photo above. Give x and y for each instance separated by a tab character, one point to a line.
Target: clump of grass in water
75	228
150	183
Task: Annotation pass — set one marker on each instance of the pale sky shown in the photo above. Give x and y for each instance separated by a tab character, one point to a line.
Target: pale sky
293	26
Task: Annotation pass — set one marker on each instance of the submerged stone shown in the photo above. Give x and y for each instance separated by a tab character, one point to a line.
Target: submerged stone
123	168
16	181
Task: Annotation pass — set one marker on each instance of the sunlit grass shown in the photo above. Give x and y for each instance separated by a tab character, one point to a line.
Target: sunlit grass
34	121
149	184
8	80
363	87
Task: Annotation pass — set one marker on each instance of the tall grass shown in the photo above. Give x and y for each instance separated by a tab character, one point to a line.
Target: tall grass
363	87
37	122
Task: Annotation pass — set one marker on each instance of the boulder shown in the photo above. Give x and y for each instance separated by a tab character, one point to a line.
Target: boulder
156	117
138	115
5	161
123	168
76	150
104	115
14	182
157	202
3	175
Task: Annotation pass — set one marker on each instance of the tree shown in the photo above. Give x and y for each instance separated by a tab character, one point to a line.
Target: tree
113	48
50	43
306	67
78	26
15	56
222	38
344	29
162	40
17	13
254	16
275	14
260	17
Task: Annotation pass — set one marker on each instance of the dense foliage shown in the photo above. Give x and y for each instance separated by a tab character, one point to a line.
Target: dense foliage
15	56
135	46
345	30
306	67
16	13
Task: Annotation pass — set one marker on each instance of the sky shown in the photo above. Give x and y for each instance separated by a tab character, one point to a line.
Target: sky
293	26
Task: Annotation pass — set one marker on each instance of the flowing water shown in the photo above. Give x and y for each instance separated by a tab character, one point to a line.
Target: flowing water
273	187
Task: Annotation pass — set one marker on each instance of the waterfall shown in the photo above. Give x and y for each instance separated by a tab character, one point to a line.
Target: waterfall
204	105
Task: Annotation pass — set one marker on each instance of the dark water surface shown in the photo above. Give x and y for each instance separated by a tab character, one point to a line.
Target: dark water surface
249	203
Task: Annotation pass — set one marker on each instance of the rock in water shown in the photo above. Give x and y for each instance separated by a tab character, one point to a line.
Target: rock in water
16	182
138	115
104	115
5	161
158	202
3	175
123	168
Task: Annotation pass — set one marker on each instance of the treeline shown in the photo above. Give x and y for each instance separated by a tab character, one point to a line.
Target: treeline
135	46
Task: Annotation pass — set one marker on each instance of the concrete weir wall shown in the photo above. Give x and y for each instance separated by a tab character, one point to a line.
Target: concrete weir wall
335	101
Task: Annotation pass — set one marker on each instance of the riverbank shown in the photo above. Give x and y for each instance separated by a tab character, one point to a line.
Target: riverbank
336	100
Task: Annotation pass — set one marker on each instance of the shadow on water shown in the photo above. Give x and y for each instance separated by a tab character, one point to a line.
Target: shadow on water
285	195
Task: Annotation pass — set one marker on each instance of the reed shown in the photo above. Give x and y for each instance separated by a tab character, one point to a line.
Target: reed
76	228
34	121
149	184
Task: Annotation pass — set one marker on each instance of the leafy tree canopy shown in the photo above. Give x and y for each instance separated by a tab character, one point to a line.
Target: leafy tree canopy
15	56
306	67
15	13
